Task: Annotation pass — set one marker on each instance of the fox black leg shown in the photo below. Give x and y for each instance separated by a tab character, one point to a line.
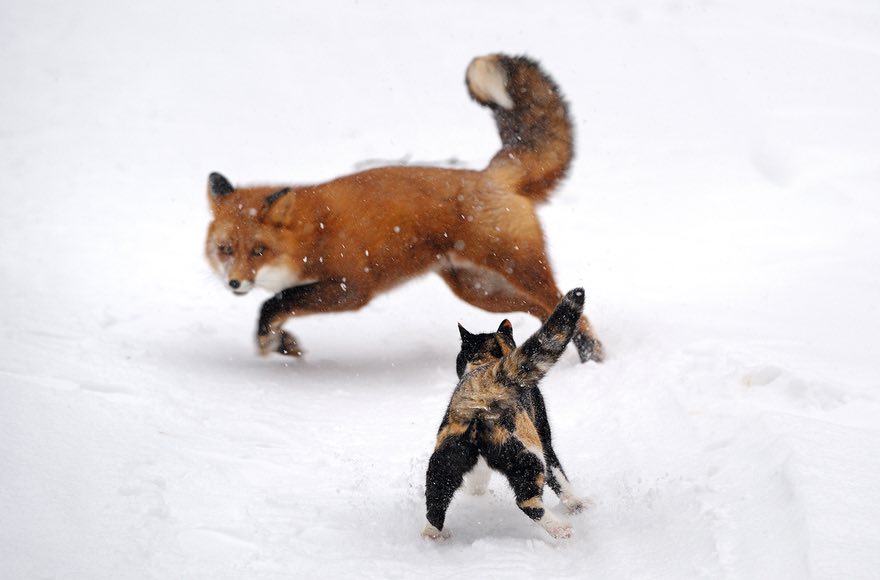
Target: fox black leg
454	457
273	313
312	298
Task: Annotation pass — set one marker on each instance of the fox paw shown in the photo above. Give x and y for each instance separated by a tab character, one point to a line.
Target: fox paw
588	347
278	341
429	532
289	345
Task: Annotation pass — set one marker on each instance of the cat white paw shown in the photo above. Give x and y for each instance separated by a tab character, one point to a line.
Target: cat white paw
429	532
561	531
556	528
575	505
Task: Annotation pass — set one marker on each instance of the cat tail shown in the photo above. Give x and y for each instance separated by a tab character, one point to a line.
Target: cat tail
527	364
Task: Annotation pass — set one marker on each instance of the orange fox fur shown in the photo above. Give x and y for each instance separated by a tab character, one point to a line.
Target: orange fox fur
333	246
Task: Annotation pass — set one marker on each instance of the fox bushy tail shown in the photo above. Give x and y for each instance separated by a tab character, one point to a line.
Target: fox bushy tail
528	363
532	119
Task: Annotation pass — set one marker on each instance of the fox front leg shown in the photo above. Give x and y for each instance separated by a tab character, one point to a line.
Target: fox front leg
270	337
300	301
274	312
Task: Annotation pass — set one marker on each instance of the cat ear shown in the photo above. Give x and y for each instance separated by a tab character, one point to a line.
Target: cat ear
506	328
219	186
463	332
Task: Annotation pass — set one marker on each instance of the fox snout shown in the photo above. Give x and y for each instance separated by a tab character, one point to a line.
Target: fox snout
240	287
237	279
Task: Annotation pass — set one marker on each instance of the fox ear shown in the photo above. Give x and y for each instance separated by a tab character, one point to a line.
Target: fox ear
506	328
219	186
463	332
276	196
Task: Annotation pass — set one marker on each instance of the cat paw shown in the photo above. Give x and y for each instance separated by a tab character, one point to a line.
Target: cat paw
429	532
559	531
556	528
575	505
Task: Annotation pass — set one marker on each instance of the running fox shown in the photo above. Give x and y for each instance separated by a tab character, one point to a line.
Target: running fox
332	247
497	417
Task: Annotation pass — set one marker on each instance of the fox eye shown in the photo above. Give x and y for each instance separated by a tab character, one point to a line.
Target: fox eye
225	249
258	251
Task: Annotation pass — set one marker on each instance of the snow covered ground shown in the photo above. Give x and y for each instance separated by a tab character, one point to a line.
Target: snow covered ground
722	214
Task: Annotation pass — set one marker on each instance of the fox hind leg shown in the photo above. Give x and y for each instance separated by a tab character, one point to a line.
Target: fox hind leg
489	291
588	346
495	291
534	279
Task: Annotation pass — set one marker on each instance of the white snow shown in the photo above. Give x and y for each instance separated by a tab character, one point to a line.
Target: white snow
722	214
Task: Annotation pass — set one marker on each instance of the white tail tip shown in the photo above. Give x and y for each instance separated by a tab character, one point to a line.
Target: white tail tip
488	81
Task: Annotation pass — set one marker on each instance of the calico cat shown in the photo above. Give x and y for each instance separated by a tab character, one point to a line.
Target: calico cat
497	418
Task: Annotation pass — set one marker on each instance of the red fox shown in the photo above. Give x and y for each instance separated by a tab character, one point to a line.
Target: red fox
332	247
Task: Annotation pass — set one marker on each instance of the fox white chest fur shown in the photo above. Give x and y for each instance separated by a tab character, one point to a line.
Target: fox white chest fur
276	278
